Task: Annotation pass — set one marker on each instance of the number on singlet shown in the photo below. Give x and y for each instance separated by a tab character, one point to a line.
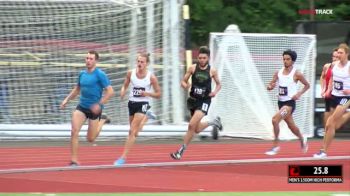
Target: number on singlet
338	85
136	92
205	107
199	91
282	90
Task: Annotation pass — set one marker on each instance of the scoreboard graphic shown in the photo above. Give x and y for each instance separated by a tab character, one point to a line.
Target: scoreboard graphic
315	174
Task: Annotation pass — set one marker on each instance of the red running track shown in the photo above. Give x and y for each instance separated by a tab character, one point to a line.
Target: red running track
253	177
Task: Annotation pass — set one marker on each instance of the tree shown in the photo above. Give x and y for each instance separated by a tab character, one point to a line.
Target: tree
256	16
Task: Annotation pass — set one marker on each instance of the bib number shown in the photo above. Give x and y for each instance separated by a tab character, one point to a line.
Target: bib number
199	91
136	92
283	90
205	107
338	85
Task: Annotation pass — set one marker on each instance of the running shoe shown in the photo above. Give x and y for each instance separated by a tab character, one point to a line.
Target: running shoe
273	151
175	155
151	115
73	164
320	155
217	123
108	120
119	162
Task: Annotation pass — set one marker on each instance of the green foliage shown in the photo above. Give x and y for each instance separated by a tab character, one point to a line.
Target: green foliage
257	16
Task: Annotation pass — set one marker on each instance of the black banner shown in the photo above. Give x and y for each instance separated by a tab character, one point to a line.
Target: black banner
315	174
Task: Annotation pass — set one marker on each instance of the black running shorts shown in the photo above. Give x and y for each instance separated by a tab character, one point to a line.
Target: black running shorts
194	104
88	113
137	107
290	103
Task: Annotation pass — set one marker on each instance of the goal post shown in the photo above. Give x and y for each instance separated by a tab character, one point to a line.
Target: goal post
246	63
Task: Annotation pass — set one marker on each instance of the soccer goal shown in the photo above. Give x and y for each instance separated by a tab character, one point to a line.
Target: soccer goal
246	63
42	49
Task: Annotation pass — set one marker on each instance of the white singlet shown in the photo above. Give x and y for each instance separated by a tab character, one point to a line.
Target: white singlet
341	79
138	85
287	87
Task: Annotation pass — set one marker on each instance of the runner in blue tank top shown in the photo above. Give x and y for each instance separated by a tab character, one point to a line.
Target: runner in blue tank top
91	84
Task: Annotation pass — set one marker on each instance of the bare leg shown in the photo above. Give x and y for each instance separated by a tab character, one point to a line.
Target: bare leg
276	128
325	118
135	127
144	121
296	131
78	119
193	126
345	117
334	121
284	112
276	119
95	127
293	127
201	126
329	134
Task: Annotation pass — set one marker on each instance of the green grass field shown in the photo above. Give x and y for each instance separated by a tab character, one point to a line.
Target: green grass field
186	194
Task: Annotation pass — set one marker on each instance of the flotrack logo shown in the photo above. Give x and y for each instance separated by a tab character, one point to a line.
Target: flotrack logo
316	12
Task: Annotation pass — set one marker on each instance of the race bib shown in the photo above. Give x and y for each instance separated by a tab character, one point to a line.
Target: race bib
338	85
343	101
136	92
282	90
205	107
200	92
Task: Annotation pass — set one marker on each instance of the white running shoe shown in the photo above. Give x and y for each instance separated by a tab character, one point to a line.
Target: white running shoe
320	155
151	115
273	151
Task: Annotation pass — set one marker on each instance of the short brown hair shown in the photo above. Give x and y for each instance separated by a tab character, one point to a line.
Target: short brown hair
94	53
345	47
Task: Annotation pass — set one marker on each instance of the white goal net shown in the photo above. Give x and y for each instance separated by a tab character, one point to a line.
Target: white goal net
246	63
43	45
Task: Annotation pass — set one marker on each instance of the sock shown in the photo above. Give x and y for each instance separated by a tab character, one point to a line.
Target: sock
182	149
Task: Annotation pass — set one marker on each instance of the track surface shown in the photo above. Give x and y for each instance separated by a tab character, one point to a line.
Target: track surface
212	167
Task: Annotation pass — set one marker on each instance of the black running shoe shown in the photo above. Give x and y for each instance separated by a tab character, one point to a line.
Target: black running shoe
217	123
108	120
215	133
175	155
